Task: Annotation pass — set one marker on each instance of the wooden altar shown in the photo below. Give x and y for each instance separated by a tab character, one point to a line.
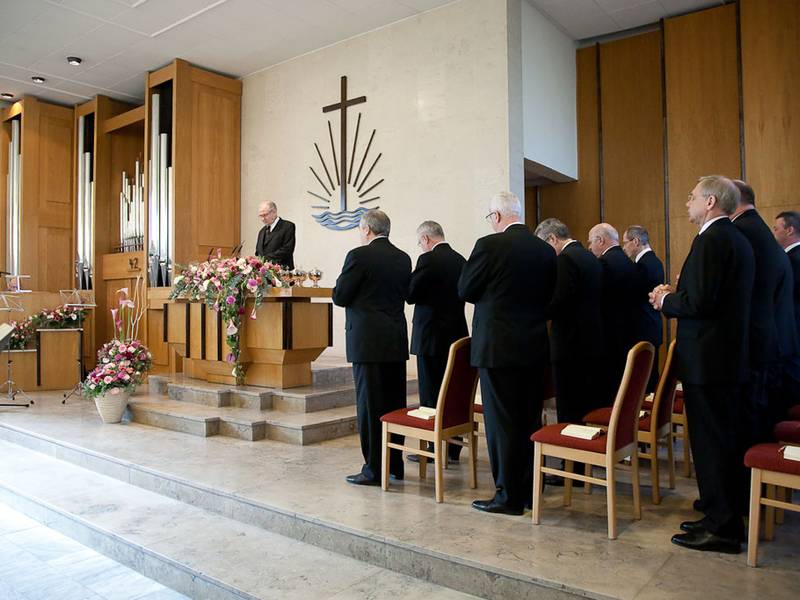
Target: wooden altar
277	348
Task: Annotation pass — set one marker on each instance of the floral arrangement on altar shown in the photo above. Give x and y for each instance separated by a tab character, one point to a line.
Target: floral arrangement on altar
224	284
61	317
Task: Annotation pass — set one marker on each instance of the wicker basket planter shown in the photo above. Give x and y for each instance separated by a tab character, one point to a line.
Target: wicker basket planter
112	406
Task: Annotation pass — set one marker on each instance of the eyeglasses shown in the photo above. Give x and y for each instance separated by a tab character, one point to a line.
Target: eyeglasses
494	212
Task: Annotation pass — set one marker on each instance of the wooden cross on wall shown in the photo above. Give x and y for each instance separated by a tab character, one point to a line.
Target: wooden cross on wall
342	105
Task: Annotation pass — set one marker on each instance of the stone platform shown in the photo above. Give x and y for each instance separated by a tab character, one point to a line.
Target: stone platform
63	467
303	415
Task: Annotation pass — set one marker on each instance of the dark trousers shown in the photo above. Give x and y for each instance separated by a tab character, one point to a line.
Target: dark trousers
714	413
430	373
576	388
380	389
512	411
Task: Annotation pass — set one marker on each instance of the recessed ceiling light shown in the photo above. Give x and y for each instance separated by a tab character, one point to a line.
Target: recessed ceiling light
7	95
37	79
74	61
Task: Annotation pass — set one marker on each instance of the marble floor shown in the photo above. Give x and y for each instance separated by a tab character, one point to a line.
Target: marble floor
568	552
37	563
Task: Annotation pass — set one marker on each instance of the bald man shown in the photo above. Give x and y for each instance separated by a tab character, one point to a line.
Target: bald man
276	238
619	305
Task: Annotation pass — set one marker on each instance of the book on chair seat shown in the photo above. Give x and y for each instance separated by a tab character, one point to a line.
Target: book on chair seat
423	412
791	452
582	432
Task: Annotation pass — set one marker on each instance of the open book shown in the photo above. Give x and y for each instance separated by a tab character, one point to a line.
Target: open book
791	452
423	412
582	432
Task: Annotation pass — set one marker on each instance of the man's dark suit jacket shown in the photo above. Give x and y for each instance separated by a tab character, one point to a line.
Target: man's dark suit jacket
373	288
620	282
575	309
794	260
439	312
712	305
509	277
772	335
277	246
651	274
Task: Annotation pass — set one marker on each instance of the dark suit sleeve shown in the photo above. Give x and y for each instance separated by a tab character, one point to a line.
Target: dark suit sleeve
420	286
349	281
286	250
476	274
565	289
698	292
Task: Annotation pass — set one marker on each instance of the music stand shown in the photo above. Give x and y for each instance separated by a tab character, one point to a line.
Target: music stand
80	299
9	305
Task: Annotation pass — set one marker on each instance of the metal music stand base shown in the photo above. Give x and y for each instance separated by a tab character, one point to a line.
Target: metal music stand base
11	394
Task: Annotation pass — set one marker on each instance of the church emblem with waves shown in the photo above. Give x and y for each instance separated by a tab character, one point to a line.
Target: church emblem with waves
350	180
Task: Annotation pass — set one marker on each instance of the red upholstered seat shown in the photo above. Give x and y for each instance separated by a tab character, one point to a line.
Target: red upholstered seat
551	434
770	458
477	408
794	412
400	417
602	416
787	431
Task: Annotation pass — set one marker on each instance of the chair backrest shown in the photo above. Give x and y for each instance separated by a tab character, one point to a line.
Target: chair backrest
664	397
624	421
457	393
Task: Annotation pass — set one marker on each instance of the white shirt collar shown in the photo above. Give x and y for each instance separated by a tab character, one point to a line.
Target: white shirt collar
642	253
609	248
567	244
274	223
707	224
792	246
512	224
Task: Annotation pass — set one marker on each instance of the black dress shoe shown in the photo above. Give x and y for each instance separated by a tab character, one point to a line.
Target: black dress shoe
694	526
492	506
361	479
706	541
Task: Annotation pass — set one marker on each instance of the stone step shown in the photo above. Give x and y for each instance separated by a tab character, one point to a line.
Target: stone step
454	569
251	425
304	399
198	553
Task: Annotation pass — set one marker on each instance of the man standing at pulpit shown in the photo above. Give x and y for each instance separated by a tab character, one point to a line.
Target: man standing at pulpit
372	288
276	238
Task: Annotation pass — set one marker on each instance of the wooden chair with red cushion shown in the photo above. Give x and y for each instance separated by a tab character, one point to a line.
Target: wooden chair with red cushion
453	418
768	466
651	430
610	448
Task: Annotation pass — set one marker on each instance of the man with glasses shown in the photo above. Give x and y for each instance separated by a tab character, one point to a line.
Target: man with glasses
509	277
276	239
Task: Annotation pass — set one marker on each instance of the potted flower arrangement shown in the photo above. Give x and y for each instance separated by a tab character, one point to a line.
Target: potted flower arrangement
224	284
110	385
121	363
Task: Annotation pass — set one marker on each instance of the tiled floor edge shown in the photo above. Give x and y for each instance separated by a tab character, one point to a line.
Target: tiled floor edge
181	578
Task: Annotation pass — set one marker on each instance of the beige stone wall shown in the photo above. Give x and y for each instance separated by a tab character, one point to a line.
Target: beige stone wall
437	88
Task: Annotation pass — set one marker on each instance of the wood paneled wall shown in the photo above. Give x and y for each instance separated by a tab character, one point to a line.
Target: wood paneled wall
633	135
770	32
670	110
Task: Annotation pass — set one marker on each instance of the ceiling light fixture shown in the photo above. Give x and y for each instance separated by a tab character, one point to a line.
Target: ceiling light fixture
37	79
7	95
74	61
